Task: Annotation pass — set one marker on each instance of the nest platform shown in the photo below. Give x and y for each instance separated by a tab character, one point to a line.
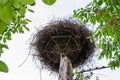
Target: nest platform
67	37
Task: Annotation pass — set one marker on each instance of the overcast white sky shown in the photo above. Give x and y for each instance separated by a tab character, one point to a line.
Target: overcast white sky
18	47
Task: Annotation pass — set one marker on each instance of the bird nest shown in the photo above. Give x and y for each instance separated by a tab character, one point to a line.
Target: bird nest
67	37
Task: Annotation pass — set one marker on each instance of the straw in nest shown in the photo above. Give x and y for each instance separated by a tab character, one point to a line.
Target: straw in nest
64	36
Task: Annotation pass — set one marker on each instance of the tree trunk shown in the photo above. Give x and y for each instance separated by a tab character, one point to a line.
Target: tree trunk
65	69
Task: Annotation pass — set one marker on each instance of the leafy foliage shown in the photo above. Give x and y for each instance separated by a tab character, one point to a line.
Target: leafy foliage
1	48
12	20
83	76
3	67
106	14
49	2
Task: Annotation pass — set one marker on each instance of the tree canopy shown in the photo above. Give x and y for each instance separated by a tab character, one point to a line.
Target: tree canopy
12	20
106	14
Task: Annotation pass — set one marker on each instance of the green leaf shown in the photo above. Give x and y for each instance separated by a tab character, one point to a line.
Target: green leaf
49	2
16	3
9	38
28	20
22	10
6	13
27	28
2	46
3	2
23	22
24	2
3	67
1	51
4	39
0	37
21	30
30	10
8	35
3	27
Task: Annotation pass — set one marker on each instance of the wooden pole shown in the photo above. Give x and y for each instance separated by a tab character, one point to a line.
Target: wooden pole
65	69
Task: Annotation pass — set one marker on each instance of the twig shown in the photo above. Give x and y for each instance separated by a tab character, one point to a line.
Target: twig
24	61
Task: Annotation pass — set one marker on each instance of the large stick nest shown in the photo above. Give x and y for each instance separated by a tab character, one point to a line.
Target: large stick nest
67	37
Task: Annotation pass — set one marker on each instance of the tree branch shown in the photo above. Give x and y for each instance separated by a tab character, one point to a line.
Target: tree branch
96	68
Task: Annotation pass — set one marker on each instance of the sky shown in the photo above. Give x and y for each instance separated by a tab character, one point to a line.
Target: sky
19	45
